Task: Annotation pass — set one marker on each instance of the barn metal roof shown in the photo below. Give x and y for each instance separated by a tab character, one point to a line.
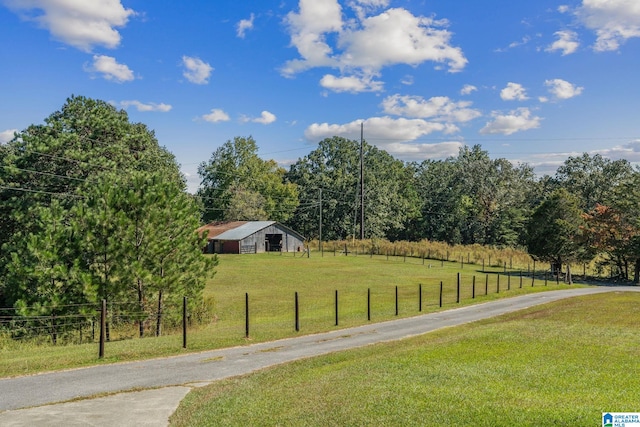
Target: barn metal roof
238	230
244	230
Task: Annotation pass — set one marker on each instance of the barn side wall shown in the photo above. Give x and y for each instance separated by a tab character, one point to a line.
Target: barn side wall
258	242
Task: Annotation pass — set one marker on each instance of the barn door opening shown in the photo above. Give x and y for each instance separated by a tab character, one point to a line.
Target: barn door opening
273	242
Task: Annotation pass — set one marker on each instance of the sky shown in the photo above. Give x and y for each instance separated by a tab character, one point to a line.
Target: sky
531	81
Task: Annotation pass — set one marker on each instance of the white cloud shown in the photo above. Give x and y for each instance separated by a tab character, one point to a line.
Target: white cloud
423	151
396	136
365	45
150	106
216	115
384	128
110	69
614	21
398	37
563	8
244	25
351	84
468	89
629	151
196	70
82	24
308	30
7	135
438	108
365	7
514	92
507	124
567	42
562	89
265	118
407	80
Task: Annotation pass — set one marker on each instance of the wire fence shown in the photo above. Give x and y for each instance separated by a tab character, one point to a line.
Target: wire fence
264	314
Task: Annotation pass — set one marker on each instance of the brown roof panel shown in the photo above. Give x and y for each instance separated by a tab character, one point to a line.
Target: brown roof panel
217	228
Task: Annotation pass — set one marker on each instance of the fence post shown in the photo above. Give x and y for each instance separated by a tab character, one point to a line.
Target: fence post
184	322
103	324
336	307
486	285
509	281
473	289
458	290
297	310
520	279
420	297
246	316
396	300
369	304
440	293
498	284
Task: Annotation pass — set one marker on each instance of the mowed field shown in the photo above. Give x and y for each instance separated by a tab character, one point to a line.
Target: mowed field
270	281
560	364
365	285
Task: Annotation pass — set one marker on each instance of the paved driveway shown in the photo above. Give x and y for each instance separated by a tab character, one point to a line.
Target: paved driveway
174	373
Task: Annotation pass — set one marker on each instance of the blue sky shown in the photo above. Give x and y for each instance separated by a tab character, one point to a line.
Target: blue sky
531	81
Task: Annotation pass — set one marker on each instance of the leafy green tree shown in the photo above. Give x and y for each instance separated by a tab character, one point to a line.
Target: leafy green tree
236	166
82	140
95	208
554	231
474	199
45	276
334	169
246	205
592	179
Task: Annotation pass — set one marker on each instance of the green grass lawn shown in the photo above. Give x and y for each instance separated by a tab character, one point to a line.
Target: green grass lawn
271	281
560	364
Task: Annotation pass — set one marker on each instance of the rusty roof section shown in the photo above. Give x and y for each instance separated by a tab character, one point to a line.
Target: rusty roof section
217	228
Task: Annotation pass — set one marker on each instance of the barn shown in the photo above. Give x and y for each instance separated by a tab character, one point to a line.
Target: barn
250	237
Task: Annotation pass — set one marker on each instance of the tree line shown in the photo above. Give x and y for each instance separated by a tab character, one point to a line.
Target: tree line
590	208
94	208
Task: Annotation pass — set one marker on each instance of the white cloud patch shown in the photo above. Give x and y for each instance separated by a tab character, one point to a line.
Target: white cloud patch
110	69
265	118
150	106
614	21
394	135
364	45
7	135
81	24
629	151
351	84
398	37
468	89
244	25
386	128
438	108
562	89
407	80
514	92
196	70
563	8
507	124
567	42
216	115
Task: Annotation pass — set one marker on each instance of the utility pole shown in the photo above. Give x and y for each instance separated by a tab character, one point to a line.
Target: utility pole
320	223
361	181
